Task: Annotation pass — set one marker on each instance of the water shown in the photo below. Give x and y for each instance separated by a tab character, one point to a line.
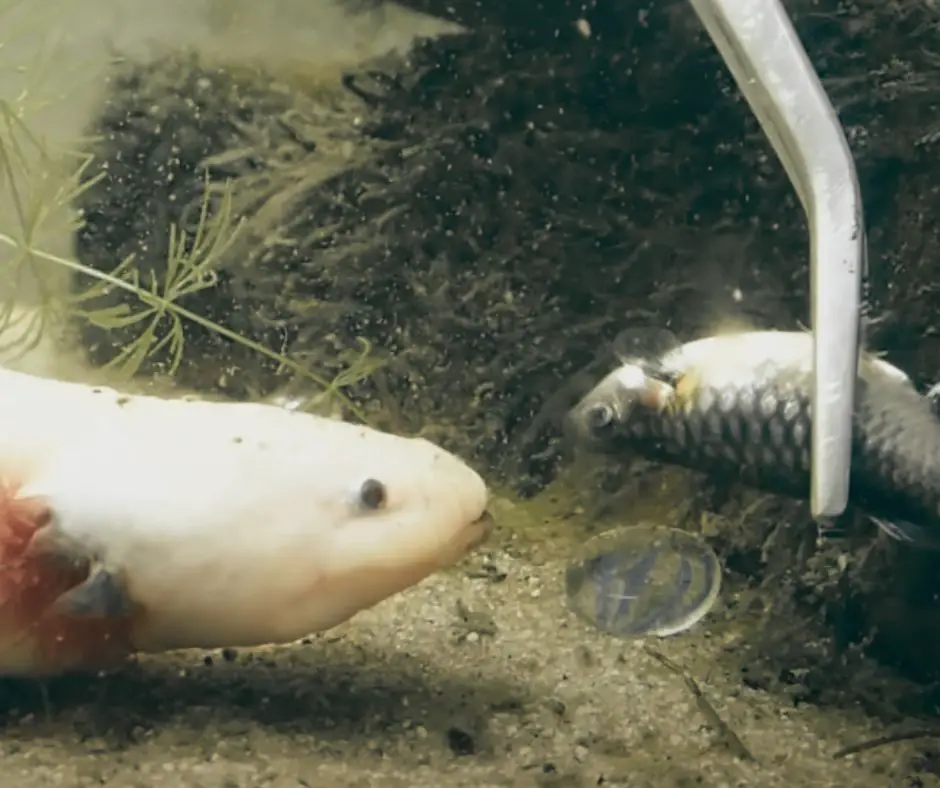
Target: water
532	200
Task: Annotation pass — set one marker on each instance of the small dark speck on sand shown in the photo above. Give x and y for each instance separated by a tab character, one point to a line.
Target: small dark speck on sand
460	742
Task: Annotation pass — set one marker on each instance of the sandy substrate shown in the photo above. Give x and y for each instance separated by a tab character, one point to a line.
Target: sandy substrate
477	677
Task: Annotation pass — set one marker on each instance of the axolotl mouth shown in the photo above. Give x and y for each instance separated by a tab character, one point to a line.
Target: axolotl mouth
479	530
464	541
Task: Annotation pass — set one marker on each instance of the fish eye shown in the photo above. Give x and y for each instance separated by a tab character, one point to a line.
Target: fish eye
600	417
372	494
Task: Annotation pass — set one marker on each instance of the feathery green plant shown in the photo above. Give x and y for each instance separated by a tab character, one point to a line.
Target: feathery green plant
192	266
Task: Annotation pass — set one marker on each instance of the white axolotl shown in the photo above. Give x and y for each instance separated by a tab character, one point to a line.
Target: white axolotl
142	524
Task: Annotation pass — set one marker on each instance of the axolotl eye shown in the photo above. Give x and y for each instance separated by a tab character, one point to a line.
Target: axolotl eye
372	494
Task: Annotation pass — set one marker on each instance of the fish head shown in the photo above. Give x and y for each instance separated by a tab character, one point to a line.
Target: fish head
603	411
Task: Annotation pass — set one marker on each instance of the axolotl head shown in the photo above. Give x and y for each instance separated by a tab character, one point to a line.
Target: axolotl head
288	531
404	510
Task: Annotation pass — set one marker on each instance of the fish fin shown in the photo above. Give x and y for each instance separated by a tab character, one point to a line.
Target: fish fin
655	395
904	531
663	396
685	389
644	345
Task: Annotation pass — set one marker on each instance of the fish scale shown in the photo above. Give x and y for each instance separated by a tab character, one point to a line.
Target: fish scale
752	431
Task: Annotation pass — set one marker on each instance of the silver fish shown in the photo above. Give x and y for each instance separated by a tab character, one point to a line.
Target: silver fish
739	406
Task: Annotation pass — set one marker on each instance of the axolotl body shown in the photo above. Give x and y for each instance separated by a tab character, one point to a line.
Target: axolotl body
143	524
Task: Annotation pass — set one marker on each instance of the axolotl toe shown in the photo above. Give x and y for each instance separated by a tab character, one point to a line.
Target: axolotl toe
141	524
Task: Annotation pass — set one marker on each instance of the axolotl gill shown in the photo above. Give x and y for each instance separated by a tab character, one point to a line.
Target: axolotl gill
143	524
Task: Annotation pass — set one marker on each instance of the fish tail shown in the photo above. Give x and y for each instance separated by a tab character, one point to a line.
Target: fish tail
38	634
910	533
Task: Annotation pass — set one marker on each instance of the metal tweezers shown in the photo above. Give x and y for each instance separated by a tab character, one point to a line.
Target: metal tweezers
764	54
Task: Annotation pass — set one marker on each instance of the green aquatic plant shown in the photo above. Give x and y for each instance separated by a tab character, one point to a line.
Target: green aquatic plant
158	316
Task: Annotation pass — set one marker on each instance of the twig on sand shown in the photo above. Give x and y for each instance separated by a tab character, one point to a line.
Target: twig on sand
730	739
890	738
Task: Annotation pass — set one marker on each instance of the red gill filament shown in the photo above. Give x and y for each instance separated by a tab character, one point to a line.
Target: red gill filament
31	581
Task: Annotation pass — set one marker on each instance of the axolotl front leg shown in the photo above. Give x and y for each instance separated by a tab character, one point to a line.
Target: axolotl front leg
60	609
101	596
